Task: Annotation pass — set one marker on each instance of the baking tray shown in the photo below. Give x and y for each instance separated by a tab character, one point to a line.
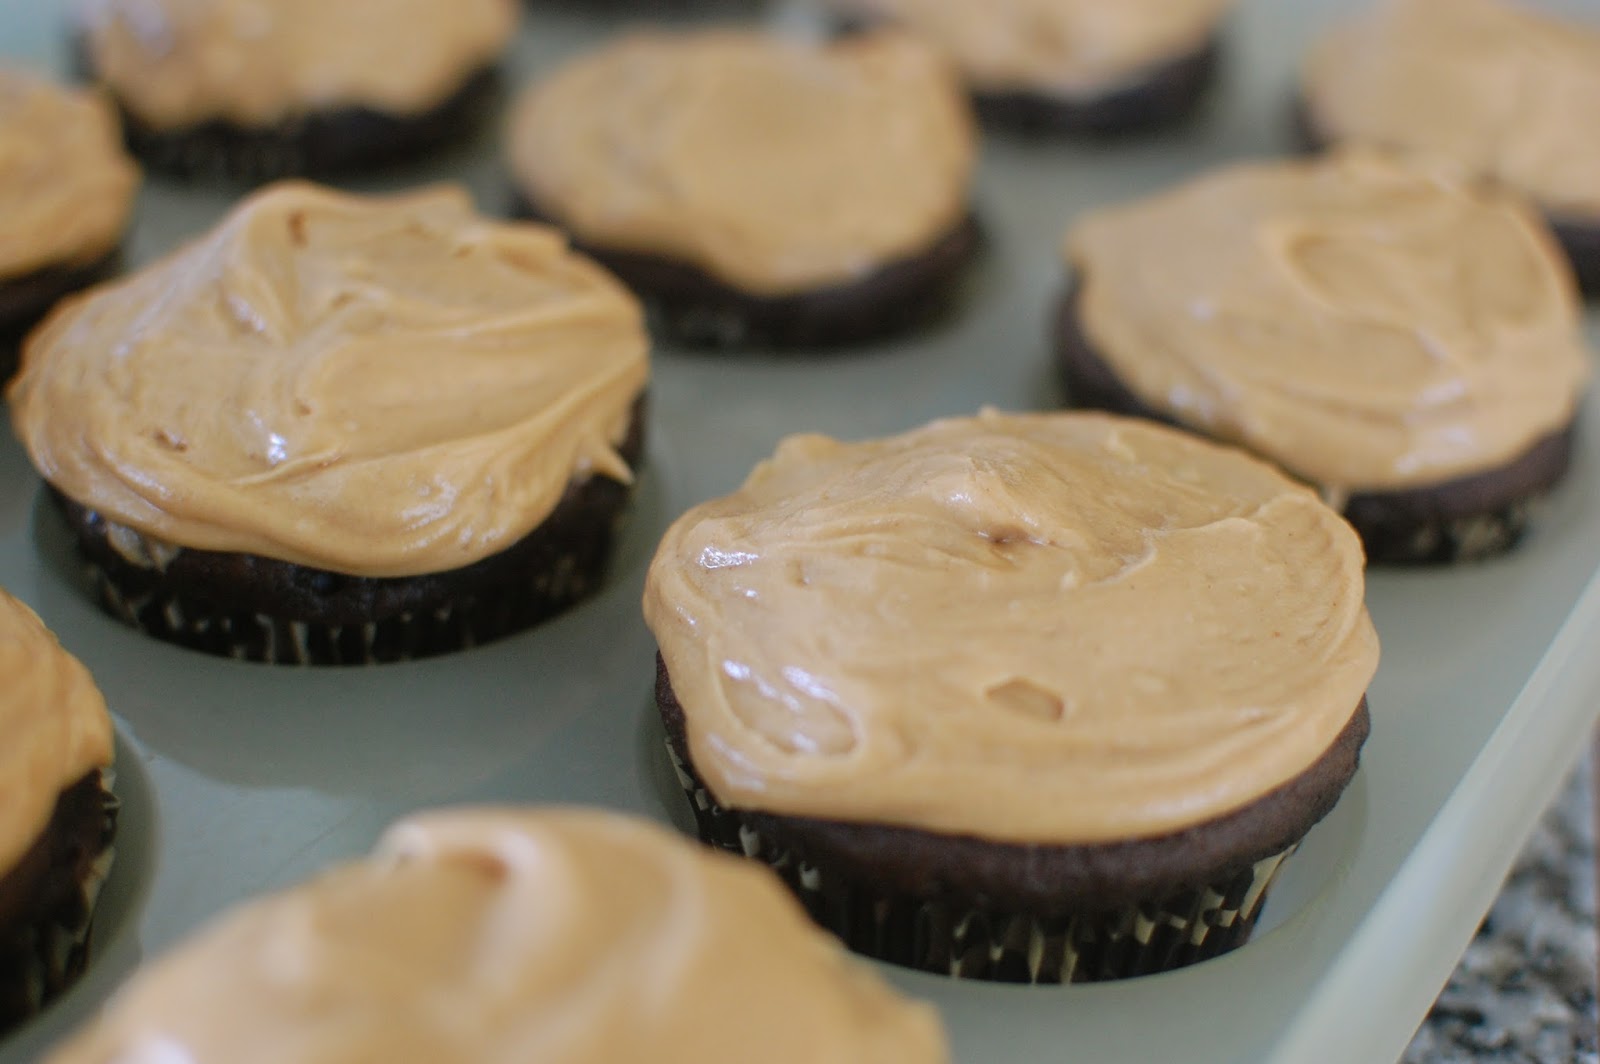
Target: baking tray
241	778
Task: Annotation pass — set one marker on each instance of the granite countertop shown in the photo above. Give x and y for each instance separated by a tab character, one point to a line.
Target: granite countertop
1525	991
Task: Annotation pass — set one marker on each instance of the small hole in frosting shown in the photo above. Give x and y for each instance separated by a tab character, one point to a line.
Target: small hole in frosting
1027	698
172	440
297	229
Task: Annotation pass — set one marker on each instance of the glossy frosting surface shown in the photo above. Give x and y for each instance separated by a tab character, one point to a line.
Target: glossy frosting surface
55	726
775	166
1494	88
381	386
509	937
1059	628
66	185
176	63
1064	47
1365	325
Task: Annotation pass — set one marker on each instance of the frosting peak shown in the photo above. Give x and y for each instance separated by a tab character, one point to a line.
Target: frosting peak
375	386
776	166
1495	89
66	185
55	726
177	63
1064	628
497	936
1368	325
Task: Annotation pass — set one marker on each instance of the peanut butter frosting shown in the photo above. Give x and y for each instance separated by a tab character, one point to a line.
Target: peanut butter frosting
1071	48
497	936
66	185
1492	88
1050	629
178	63
55	726
1366	325
776	166
379	386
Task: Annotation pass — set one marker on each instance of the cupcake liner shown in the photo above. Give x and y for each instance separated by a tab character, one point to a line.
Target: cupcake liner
322	143
49	955
481	616
970	942
1460	539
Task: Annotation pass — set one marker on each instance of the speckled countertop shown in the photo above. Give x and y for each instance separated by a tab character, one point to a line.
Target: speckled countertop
1525	991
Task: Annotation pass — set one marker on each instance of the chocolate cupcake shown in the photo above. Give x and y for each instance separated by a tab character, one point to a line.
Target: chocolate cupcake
1078	66
66	191
342	429
1408	343
253	91
1493	89
756	190
57	819
1031	698
501	936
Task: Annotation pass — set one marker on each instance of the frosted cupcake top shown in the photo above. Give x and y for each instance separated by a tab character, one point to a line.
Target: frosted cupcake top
177	63
66	185
776	166
1493	88
1052	629
381	386
1364	324
55	726
1067	48
496	936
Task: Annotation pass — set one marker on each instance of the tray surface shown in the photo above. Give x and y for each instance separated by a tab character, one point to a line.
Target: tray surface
241	778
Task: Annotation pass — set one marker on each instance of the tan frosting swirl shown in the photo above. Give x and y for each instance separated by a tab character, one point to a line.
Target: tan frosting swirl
177	63
510	937
1495	89
66	186
1062	47
1055	629
1365	325
776	166
55	727
376	386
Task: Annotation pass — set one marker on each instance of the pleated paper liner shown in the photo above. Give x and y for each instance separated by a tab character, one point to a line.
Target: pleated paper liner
1151	935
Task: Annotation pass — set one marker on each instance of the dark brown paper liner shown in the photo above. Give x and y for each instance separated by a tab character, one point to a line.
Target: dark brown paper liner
966	942
319	144
44	958
547	572
689	306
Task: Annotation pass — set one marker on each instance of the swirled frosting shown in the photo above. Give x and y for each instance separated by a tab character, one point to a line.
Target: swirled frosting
177	63
380	386
776	166
497	936
1494	89
1053	629
55	726
1363	324
1070	48
66	186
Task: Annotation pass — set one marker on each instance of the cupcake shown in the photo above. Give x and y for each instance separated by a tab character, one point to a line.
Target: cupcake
1068	65
56	819
258	89
1494	89
1408	343
342	429
66	191
497	936
756	190
1031	698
